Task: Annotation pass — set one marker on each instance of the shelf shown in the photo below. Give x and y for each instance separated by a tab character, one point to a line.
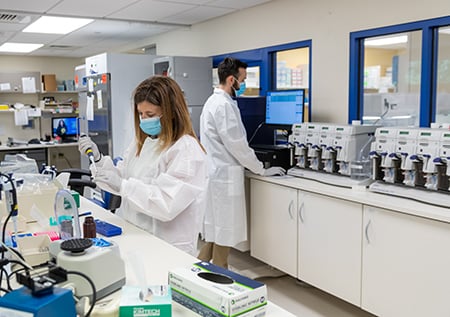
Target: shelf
59	92
40	92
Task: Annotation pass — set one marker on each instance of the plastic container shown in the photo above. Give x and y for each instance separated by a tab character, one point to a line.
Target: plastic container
66	215
89	228
360	170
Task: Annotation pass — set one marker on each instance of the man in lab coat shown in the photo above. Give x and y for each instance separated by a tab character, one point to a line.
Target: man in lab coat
223	135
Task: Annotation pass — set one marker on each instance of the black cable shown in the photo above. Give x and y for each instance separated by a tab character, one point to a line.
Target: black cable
15	252
4	290
254	133
14	197
94	291
15	271
8	283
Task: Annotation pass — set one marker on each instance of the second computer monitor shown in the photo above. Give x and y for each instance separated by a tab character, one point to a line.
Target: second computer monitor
285	107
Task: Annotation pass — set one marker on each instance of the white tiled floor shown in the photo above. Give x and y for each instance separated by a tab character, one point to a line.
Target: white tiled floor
299	299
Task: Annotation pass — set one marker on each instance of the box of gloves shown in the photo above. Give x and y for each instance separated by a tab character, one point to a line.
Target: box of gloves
150	301
213	291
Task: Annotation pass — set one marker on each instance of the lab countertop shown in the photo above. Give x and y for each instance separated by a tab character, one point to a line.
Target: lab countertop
143	252
364	196
43	145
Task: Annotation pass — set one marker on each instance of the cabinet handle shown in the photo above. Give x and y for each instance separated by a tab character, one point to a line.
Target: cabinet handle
290	209
300	212
366	231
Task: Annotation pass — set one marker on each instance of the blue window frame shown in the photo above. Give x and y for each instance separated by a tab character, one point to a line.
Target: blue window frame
265	58
428	68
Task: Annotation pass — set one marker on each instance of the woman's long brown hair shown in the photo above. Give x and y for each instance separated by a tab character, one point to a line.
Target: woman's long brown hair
164	92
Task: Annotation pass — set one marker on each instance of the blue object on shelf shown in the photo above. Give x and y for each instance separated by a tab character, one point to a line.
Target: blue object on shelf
106	229
20	302
100	242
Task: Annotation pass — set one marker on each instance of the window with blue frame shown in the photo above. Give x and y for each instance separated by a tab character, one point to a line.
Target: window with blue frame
279	67
443	77
400	75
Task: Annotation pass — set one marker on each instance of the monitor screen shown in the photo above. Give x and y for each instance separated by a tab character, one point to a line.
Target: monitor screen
65	127
285	107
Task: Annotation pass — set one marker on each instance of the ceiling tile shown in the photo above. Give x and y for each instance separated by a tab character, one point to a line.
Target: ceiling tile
39	6
97	8
34	38
149	10
198	14
236	4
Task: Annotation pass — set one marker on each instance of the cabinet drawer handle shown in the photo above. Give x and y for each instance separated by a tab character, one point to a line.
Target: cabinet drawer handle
366	231
300	212
290	209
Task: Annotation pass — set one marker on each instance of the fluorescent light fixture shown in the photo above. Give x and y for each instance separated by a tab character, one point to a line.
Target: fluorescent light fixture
387	41
56	25
444	30
371	118
401	117
19	47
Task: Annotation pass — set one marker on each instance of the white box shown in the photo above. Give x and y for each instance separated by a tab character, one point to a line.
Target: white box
213	291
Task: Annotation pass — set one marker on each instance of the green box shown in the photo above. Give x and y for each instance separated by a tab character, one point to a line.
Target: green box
76	197
150	301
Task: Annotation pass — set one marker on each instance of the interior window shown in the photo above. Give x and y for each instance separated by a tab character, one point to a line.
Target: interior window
392	77
443	76
292	72
292	69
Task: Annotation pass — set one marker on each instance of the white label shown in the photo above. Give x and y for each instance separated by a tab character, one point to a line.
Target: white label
6	312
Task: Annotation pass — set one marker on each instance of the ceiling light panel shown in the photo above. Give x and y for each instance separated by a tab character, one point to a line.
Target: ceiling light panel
56	25
387	41
19	47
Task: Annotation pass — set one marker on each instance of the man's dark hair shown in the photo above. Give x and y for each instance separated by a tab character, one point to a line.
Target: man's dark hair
229	66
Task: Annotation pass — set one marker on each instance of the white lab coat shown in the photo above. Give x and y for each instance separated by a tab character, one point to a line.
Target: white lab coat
164	193
223	135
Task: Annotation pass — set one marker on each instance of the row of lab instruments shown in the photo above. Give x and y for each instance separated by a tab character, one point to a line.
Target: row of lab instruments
333	150
416	158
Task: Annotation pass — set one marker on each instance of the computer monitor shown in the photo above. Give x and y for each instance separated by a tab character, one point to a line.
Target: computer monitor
65	127
285	107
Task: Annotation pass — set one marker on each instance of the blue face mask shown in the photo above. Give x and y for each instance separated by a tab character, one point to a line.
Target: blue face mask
242	87
151	126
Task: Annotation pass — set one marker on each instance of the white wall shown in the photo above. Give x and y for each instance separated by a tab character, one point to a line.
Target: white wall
327	22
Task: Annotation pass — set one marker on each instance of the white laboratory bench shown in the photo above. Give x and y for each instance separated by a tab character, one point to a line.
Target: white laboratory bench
61	155
386	254
156	256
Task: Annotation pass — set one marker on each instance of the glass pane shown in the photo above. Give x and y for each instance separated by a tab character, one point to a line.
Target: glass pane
292	69
252	82
443	77
392	67
252	86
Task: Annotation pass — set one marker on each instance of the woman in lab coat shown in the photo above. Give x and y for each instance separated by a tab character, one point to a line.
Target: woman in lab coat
162	177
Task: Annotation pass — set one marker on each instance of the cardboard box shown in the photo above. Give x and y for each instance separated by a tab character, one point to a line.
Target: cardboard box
49	81
212	291
151	301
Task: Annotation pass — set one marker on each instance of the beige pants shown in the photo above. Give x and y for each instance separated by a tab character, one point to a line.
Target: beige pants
217	253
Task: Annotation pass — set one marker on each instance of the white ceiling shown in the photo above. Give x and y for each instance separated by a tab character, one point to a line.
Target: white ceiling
119	23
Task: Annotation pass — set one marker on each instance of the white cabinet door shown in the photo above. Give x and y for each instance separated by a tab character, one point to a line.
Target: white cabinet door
273	225
406	265
329	245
